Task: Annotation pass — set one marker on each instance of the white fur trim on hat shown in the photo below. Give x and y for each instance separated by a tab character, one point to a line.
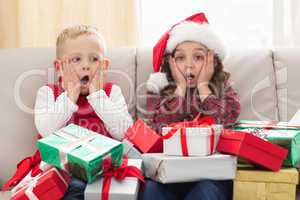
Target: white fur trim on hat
156	82
192	31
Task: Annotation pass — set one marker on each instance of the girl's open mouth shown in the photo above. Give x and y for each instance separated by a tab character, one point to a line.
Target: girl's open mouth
190	77
84	80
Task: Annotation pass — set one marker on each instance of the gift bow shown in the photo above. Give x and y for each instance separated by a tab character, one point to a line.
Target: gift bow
30	184
76	141
197	122
119	174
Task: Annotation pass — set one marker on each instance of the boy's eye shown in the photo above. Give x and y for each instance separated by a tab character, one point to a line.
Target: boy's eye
75	59
95	59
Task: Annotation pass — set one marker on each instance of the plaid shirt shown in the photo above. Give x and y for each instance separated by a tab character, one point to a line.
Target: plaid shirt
224	108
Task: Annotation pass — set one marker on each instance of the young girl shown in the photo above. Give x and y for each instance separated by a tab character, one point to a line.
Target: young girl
190	80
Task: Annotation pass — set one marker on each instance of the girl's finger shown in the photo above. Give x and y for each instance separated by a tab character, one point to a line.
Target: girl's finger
211	58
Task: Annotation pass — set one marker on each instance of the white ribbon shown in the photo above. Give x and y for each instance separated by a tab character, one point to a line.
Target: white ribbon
77	141
32	183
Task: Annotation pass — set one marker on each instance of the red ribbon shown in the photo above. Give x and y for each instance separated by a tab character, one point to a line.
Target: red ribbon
119	174
23	168
197	122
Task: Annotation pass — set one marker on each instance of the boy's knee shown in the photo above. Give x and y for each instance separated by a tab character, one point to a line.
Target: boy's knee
152	186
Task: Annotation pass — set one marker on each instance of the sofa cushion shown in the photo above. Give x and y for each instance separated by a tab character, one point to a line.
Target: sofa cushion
252	75
286	62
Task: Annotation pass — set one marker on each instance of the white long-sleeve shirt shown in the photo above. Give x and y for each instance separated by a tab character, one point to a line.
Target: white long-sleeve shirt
51	114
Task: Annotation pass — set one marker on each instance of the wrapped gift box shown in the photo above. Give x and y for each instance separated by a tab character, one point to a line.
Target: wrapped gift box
126	189
41	167
130	151
281	133
48	185
143	137
175	169
252	148
80	151
261	185
199	141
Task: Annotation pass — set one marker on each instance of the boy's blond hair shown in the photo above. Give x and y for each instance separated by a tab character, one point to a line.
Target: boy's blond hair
75	31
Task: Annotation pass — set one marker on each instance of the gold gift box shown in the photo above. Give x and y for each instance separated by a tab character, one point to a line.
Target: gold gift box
265	185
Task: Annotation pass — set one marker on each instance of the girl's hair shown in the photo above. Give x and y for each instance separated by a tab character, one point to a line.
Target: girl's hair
216	84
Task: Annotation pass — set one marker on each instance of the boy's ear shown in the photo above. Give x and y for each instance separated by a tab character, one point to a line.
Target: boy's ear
57	67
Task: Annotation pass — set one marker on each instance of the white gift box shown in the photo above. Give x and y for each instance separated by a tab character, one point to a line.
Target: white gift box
198	140
130	151
126	189
176	169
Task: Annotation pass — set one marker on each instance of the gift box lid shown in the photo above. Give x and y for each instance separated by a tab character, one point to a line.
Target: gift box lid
265	124
49	180
100	145
204	130
257	142
143	137
249	174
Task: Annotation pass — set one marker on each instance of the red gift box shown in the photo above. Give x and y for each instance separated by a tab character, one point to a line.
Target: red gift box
144	138
49	185
252	148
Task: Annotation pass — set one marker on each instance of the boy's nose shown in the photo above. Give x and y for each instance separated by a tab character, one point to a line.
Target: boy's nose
85	68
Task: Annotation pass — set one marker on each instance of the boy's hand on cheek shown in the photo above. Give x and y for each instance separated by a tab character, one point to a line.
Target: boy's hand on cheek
97	81
71	82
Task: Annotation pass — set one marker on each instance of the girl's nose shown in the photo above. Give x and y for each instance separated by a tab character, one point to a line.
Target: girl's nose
189	63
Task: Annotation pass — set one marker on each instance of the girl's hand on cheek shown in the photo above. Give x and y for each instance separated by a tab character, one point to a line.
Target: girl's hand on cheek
207	70
205	76
178	77
71	82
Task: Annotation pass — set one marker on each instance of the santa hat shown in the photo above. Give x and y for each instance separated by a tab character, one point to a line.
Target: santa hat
194	28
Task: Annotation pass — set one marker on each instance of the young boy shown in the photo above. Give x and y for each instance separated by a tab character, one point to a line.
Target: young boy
82	96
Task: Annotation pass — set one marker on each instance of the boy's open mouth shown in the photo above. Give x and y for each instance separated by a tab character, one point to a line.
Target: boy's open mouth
84	80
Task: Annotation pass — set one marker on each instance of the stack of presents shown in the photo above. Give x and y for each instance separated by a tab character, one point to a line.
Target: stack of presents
260	157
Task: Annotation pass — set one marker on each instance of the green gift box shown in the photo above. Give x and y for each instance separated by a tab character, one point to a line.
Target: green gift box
80	151
280	133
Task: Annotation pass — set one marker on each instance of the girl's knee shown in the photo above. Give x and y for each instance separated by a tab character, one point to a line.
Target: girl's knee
209	189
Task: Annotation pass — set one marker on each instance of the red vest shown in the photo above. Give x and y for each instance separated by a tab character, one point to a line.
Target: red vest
85	117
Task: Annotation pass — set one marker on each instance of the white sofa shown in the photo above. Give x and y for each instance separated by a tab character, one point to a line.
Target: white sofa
266	80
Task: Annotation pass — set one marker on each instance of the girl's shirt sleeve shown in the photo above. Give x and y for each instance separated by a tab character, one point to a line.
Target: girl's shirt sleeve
225	109
164	111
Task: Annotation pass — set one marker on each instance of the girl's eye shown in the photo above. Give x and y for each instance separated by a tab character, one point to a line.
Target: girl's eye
199	57
179	58
75	59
